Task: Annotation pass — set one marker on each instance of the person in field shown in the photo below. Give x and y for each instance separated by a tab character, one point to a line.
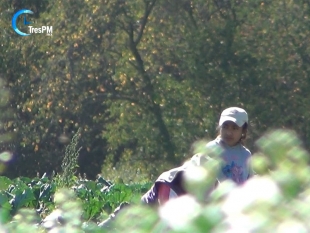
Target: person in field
170	184
234	157
233	126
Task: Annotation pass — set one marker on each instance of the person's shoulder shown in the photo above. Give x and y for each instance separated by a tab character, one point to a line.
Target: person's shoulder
198	160
247	151
214	147
215	142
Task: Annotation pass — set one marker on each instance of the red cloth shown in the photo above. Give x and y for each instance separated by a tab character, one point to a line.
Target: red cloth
163	193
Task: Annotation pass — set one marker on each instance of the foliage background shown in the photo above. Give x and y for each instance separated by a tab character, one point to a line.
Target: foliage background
144	79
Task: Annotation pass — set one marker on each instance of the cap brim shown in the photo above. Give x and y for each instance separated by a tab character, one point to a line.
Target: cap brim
229	118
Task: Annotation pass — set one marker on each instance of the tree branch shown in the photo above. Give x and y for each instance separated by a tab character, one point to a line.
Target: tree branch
148	9
152	106
120	55
219	7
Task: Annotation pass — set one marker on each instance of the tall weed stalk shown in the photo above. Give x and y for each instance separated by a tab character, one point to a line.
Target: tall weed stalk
70	163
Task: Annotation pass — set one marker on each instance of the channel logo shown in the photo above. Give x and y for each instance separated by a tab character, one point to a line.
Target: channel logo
48	30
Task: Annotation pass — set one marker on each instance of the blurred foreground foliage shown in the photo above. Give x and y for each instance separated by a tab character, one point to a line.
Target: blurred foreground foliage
144	79
277	199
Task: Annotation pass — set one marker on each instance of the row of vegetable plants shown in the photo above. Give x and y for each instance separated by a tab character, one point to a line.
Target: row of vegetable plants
98	198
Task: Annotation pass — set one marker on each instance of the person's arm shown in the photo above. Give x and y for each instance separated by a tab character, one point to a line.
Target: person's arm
163	193
251	171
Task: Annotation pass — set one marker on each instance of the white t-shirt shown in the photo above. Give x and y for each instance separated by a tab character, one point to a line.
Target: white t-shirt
235	161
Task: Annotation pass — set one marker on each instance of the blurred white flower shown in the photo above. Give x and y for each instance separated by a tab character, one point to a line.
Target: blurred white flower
52	220
179	212
257	189
290	226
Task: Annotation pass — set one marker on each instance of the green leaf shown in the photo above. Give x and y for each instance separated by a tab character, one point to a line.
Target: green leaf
22	199
46	192
4	202
4	182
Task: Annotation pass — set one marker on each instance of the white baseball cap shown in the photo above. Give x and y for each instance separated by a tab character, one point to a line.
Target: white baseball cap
234	114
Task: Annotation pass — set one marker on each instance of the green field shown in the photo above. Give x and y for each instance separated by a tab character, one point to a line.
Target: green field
97	199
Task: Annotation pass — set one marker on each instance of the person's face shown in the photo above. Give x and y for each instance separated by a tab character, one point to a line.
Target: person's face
230	133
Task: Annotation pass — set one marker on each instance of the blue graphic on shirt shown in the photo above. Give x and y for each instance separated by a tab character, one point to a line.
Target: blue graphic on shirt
234	172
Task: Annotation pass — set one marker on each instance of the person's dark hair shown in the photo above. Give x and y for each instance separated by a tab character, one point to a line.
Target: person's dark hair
244	133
